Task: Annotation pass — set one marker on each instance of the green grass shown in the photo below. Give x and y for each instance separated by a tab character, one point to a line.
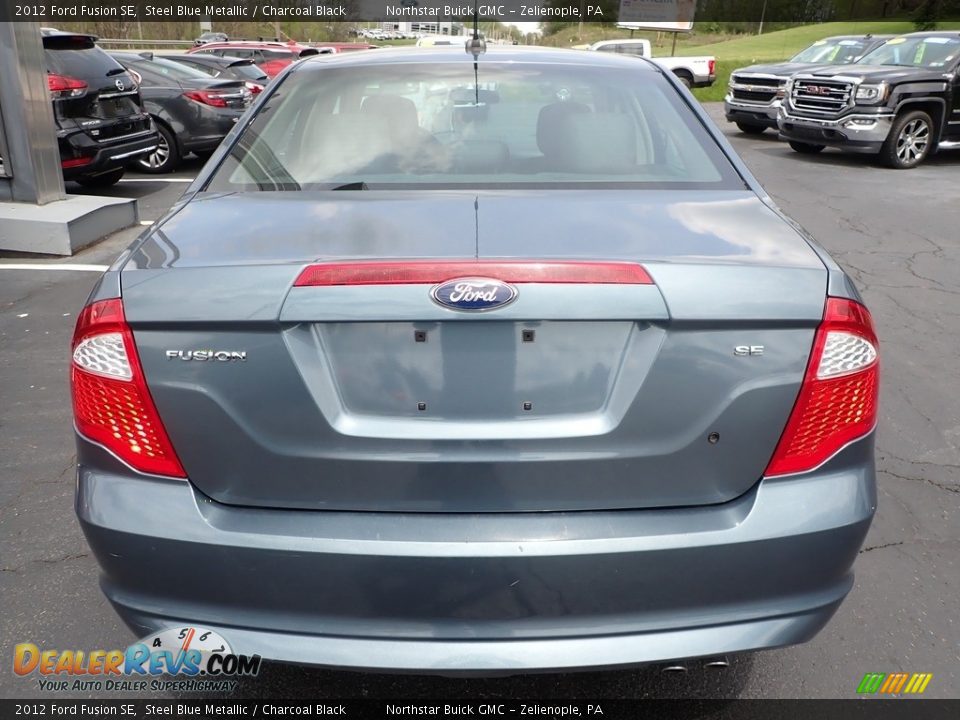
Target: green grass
663	42
715	92
783	44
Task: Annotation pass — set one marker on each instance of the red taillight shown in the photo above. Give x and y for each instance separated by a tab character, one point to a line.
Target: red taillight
76	162
61	86
206	97
111	402
254	88
711	67
838	399
431	271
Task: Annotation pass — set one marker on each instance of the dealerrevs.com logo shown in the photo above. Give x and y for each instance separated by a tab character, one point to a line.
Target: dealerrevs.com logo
196	658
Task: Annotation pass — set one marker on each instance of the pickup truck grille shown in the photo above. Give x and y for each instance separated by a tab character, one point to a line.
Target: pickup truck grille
759	90
771	82
754	96
825	97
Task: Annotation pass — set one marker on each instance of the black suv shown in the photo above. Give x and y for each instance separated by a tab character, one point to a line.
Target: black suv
96	106
901	101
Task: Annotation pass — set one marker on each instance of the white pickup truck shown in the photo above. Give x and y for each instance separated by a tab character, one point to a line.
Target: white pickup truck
693	71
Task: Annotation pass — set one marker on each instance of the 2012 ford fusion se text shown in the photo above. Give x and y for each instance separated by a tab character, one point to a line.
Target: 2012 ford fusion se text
484	362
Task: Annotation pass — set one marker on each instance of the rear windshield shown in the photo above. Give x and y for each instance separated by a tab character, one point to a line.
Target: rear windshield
248	70
277	54
834	52
439	125
929	51
168	68
77	56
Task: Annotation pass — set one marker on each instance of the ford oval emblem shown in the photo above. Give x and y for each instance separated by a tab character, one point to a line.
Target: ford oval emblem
474	294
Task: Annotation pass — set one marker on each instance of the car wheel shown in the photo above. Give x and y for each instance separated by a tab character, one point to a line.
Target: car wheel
165	158
103	180
751	129
685	79
909	141
806	148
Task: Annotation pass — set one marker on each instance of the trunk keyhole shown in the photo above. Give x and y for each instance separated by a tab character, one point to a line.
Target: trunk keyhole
421	406
528	335
528	406
713	438
420	336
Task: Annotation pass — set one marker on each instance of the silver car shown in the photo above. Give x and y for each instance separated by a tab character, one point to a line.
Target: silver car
537	380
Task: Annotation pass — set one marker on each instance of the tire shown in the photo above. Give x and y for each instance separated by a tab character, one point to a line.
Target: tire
103	180
165	159
806	148
685	79
909	142
750	128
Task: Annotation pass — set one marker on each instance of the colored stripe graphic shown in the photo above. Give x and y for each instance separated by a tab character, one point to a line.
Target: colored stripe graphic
871	682
918	683
894	683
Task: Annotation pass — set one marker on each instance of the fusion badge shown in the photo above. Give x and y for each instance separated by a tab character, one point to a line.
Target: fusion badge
474	294
205	355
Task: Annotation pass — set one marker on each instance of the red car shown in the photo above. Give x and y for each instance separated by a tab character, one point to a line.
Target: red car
271	56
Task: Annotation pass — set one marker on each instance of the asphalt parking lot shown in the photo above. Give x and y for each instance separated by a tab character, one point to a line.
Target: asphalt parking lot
897	233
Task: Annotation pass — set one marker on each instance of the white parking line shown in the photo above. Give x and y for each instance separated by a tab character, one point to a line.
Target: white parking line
166	180
53	266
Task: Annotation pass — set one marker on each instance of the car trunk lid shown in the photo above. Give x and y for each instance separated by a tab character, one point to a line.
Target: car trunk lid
575	396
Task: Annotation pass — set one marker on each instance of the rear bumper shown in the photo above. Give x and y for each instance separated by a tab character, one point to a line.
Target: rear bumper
481	593
854	132
105	157
207	126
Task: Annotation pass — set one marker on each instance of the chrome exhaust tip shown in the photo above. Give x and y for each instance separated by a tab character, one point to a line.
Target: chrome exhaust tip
720	663
673	669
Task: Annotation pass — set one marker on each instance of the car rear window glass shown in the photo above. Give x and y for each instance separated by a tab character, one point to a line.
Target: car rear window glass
248	70
169	69
444	124
277	54
80	59
208	70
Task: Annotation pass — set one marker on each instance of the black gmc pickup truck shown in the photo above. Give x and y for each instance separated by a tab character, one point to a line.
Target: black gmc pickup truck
901	101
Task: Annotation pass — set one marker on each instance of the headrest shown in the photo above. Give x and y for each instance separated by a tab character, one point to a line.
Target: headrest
400	112
547	124
344	144
595	143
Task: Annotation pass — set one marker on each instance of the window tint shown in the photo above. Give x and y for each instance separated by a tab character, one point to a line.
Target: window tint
159	67
927	51
837	52
434	125
208	70
89	62
632	49
248	70
268	55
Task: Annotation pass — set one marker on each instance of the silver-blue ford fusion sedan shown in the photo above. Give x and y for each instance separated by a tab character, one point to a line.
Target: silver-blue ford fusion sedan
489	362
